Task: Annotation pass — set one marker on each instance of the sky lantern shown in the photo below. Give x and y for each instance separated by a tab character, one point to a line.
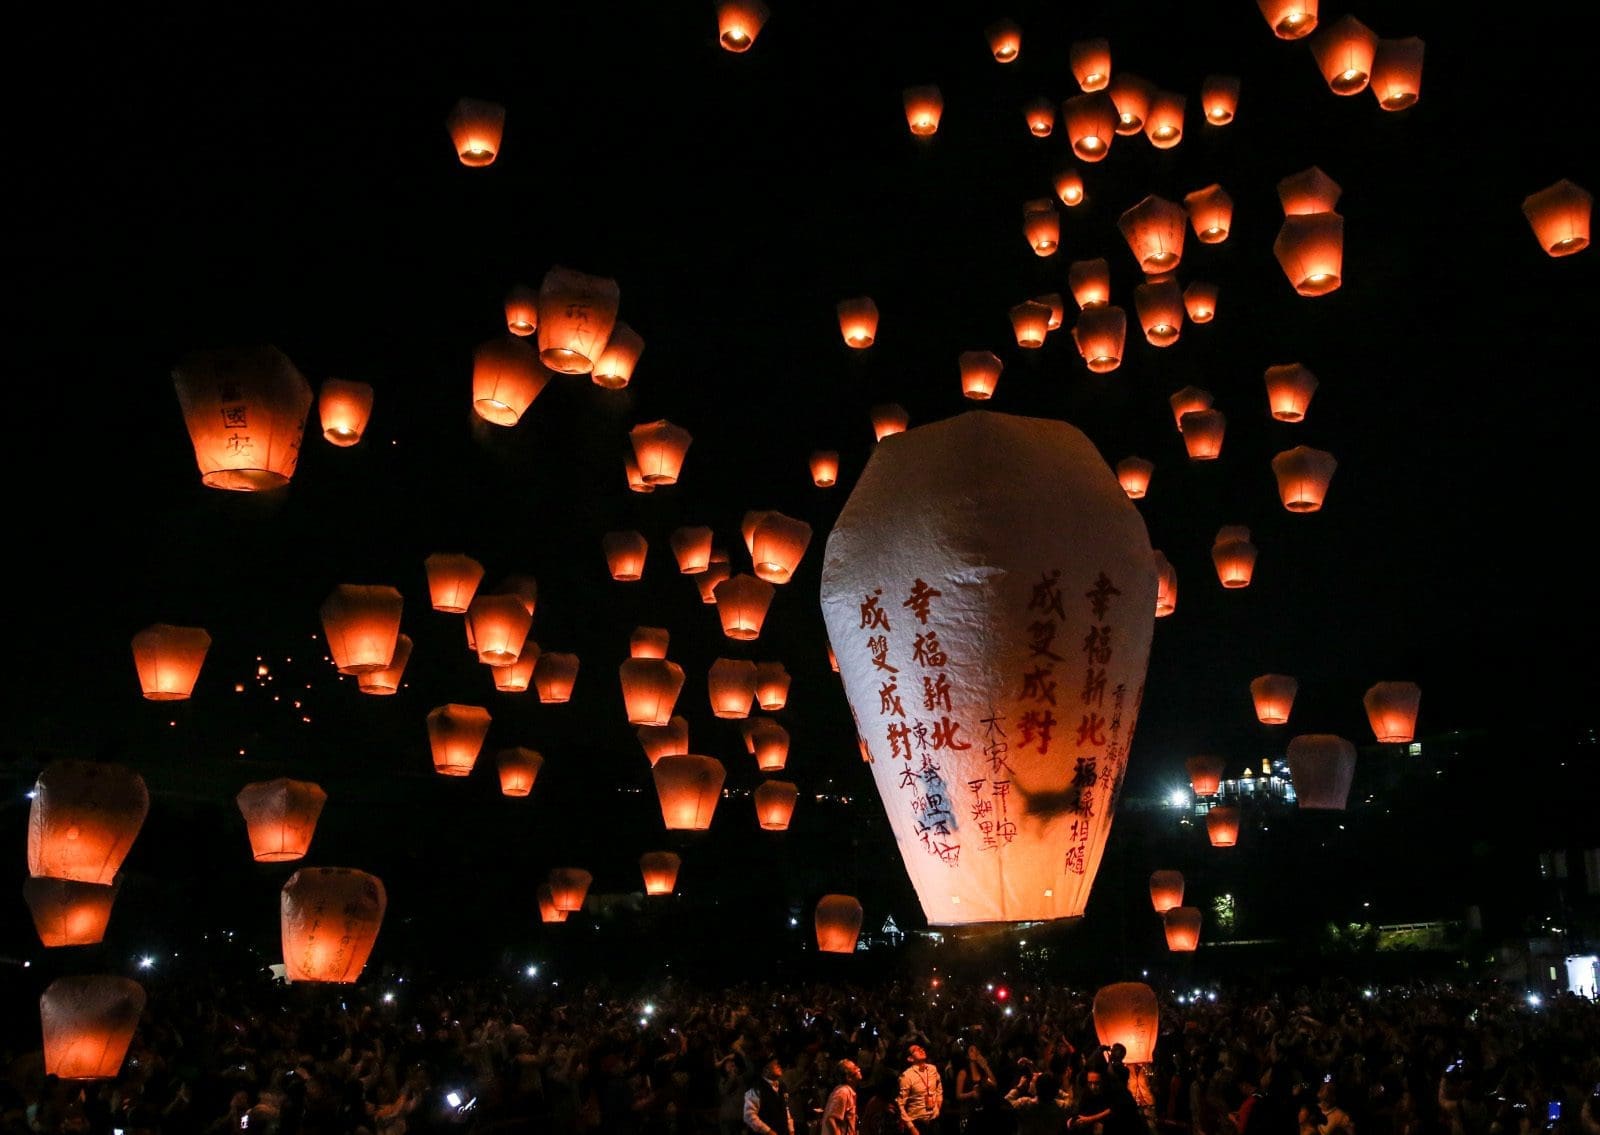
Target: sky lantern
1030	321
1126	1013
246	412
1559	215
1200	300
772	686
660	448
1289	390
691	545
1289	19
1303	477
1310	249
858	321
577	313
924	106
936	543
739	22
499	625
1069	186
888	419
777	543
1182	925
1090	282
824	468
1392	711
769	744
1131	94
669	740
524	587
648	642
1057	306
614	368
742	603
330	918
731	685
518	767
660	871
1190	398
980	373
1219	98
636	481
386	682
1205	774
775	800
361	623
1273	695
1163	125
717	570
1321	767
1090	60
1154	231
344	407
88	1022
476	126
1234	555
168	660
281	816
1210	212
689	787
1309	191
69	913
554	677
1040	114
452	581
650	688
1101	334
506	377
456	733
1167	586
1344	52
1397	72
838	923
1222	825
517	677
1160	309
522	310
1166	890
1202	433
569	886
1005	40
1133	474
1041	226
83	819
1091	124
547	906
625	555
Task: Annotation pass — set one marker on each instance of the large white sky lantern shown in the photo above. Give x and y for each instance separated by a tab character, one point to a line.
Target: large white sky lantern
989	591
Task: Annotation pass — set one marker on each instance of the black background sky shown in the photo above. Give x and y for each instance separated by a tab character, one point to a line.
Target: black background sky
206	180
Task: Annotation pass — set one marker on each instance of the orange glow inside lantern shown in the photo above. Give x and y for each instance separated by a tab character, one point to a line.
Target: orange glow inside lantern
1069	187
1309	191
775	800
1090	281
660	871
858	321
1041	226
838	921
519	769
1397	72
1222	826
688	787
83	819
281	816
888	419
476	127
1304	475
1090	121
452	581
1344	52
1200	300
168	660
1005	40
772	685
625	555
246	413
1164	123
1160	308
1182	924
577	313
731	685
1133	474
1166	890
1210	213
1127	1013
1205	774
88	1023
330	918
648	642
547	906
1190	398
692	548
1202	433
1131	95
1040	115
522	310
1166	586
660	448
739	22
650	688
769	744
1090	60
1310	248
824	468
716	571
554	676
1030	322
1289	19
1392	711
69	913
636	482
980	373
1560	216
777	545
506	377
1154	231
1101	333
498	626
344	407
569	886
924	106
1273	696
456	734
1219	98
517	677
614	368
1234	555
669	740
1289	391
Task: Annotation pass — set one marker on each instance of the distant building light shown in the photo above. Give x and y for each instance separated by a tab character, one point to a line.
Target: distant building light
1414	749
1534	1000
1178	798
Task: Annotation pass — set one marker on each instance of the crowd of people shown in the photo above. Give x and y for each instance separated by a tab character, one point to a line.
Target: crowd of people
908	1058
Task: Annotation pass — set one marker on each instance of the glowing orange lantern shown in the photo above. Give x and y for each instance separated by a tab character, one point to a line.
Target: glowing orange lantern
330	918
1222	825
1289	19
1127	1014
452	581
362	625
692	548
1289	391
669	740
569	886
1166	890
1041	226
775	800
577	312
246	412
716	571
1392	711
660	447
648	642
519	769
1309	191
1057	306
168	660
1090	60
625	555
1131	95
769	744
547	906
1090	281
522	310
1234	555
1031	323
344	407
731	684
517	677
1154	231
650	688
689	788
498	626
1040	115
1200	300
772	685
83	819
1344	51
1219	98
456	733
1303	477
1560	217
1202	433
858	321
1091	124
1101	333
1163	125
660	871
1397	72
1133	474
1166	586
1160	308
1069	186
888	419
1321	767
980	372
1182	924
924	106
838	922
777	544
1205	774
476	126
1273	695
88	1023
1310	248
554	677
1005	40
524	587
739	22
636	482
614	368
1190	398
1210	212
281	816
69	913
825	468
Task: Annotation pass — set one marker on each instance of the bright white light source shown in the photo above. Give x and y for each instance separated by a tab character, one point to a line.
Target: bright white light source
146	962
388	998
1177	798
648	1008
532	971
1534	1000
453	1099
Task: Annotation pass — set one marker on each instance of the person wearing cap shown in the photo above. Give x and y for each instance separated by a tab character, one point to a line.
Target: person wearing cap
921	1093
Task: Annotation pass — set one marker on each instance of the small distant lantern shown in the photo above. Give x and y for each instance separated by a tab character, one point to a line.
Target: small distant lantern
1005	40
1200	300
980	373
1166	890
517	677
1131	94
661	448
1091	124
769	744
648	642
569	886
1041	226
1310	248
924	107
1234	555
246	412
1273	695
1069	186
1309	191
69	913
888	419
1188	399
650	689
1040	114
281	816
1304	475
1166	586
522	311
772	686
669	740
1397	72
1344	51
499	625
731	685
660	871
1321	767
838	923
1030	322
614	368
1090	282
1289	19
1154	231
83	820
1560	217
825	468
716	571
777	545
330	918
88	1023
1164	124
858	321
1090	60
1182	924
1057	306
456	734
344	407
1392	711
554	677
689	787
452	581
1222	826
547	906
739	22
1160	309
1202	434
1101	333
1210	212
636	482
1127	1013
506	378
1133	474
775	800
625	555
577	313
519	769
692	547
476	126
1289	391
168	660
1219	98
1205	774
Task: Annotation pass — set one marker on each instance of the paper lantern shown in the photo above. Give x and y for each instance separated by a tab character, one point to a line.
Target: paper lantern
577	312
1005	40
1041	226
452	581
1205	774
362	624
689	788
456	734
1273	696
1397	72
1560	217
1321	767
499	626
650	688
1310	249
1210	212
547	906
825	468
1200	300
1202	433
1126	1013
69	913
168	660
88	1023
1222	826
1040	114
1166	890
1392	711
648	642
517	677
938	568
1190	398
742	603
281	816
1304	475
614	368
924	106
660	448
625	555
1344	51
660	871
980	373
1182	924
888	419
1133	474
519	768
1289	391
1057	306
1234	556
83	819
1101	333
636	482
1030	322
776	546
1131	95
554	677
246	412
1163	125
330	918
569	886
1090	60
1069	186
1219	98
522	310
1160	308
769	744
1309	191
731	684
1289	19
692	548
1090	281
709	580
739	22
1154	231
1167	586
476	126
772	686
858	321
344	407
669	740
1091	124
775	800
